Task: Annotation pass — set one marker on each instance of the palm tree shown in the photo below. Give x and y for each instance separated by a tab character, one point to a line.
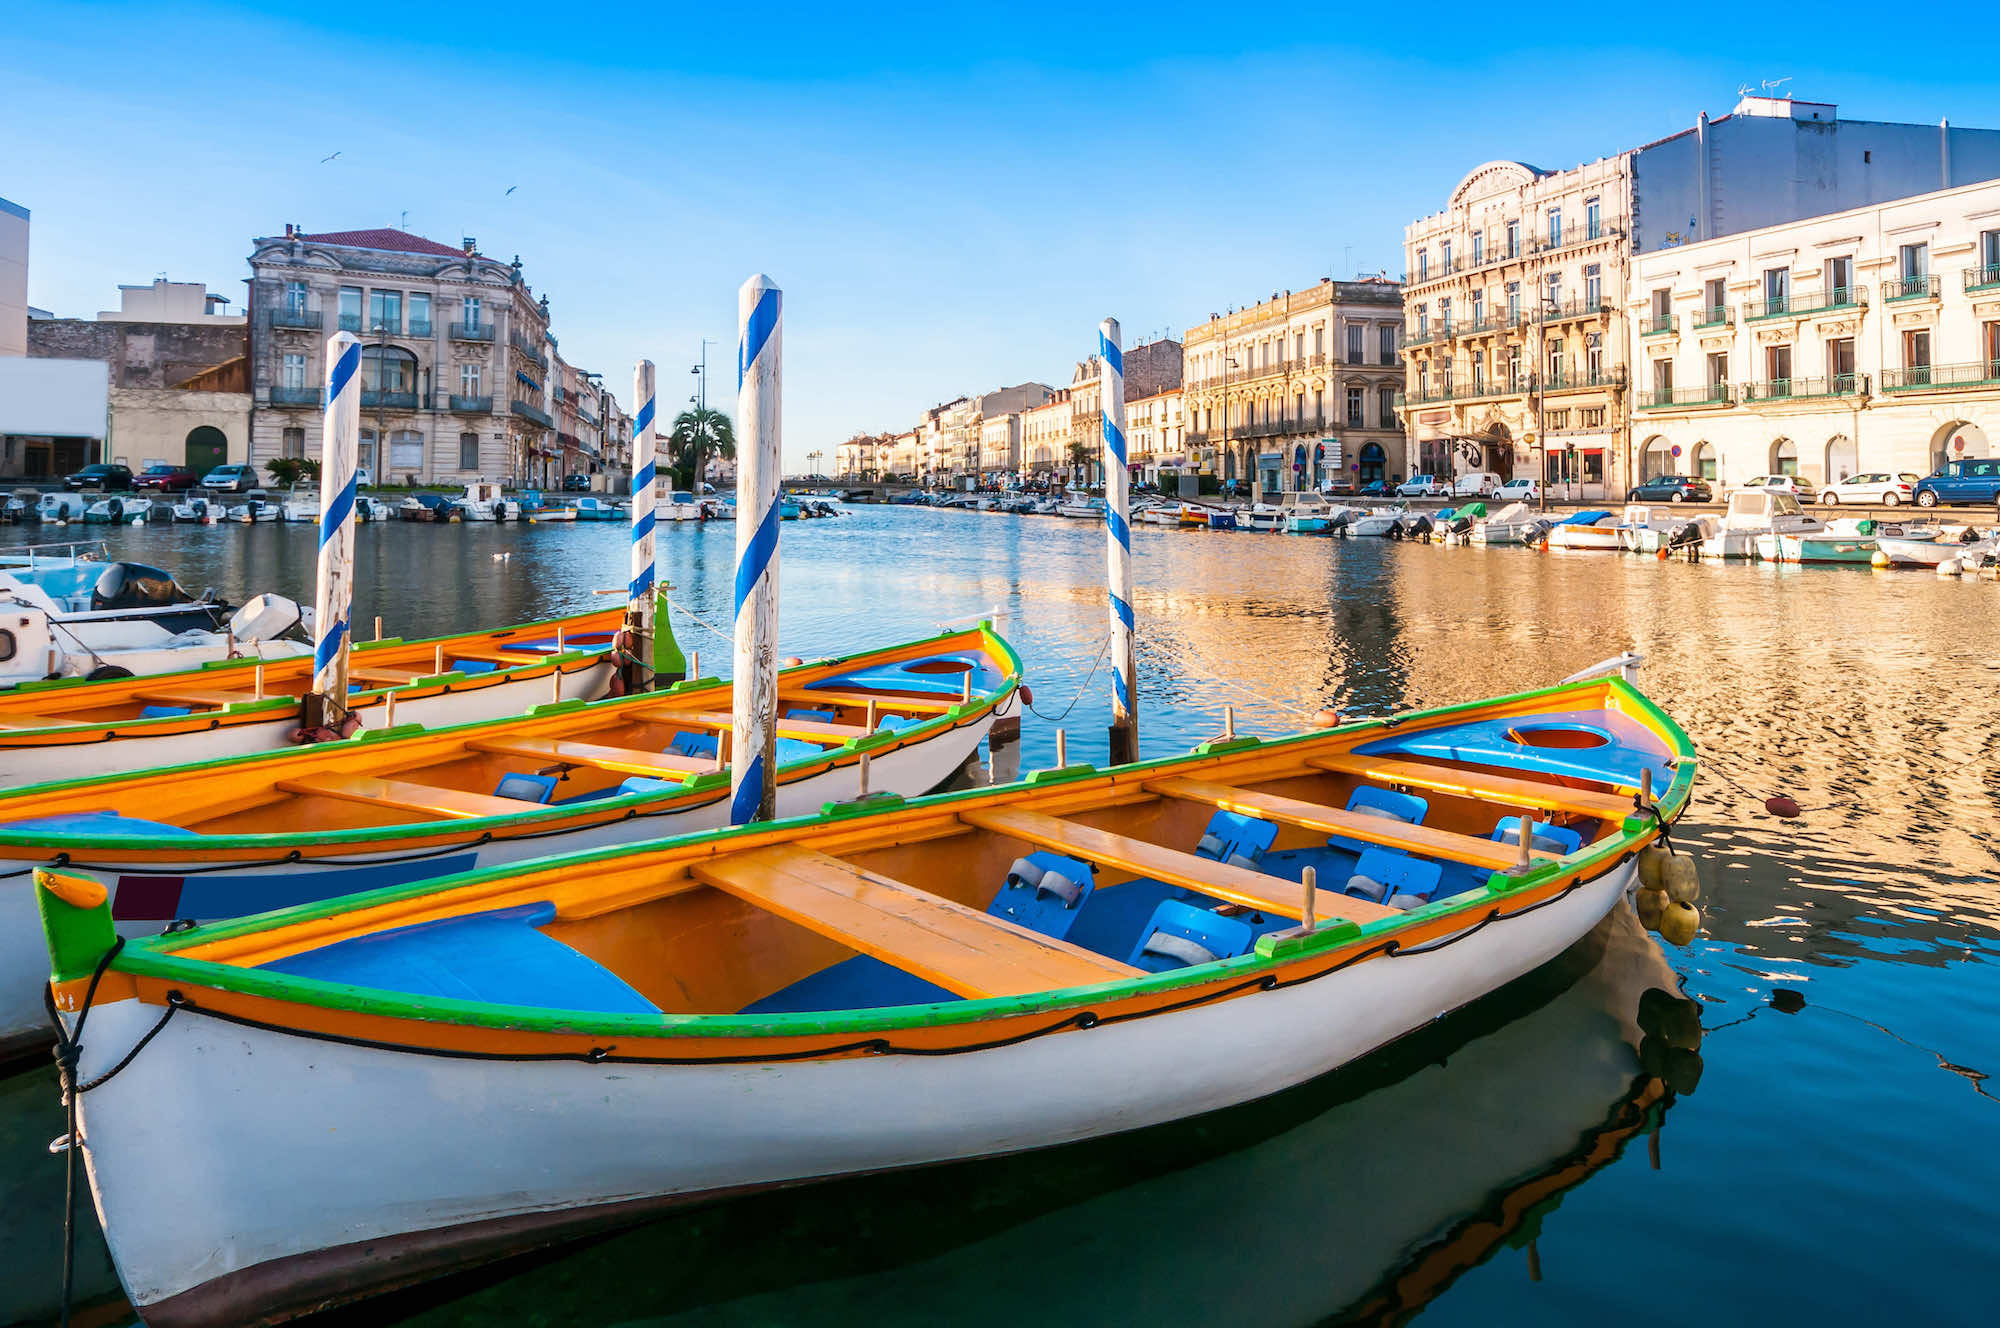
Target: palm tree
698	434
1079	458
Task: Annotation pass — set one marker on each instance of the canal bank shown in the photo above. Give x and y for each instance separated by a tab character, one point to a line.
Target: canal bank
1824	1122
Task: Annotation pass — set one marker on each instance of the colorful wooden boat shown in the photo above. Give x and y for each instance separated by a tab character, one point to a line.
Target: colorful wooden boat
70	728
226	838
466	1065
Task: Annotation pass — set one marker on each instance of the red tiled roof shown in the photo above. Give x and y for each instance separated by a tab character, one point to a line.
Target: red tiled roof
387	238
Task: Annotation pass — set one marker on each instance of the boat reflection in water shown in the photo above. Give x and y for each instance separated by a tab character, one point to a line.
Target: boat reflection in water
1326	1199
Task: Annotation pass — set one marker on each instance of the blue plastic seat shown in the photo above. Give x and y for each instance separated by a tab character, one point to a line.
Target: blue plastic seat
1542	835
1385	876
526	787
796	749
1045	892
822	716
695	745
1239	840
163	712
471	666
1389	805
1180	935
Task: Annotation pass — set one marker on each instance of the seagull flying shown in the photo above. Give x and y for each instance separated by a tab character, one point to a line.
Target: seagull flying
324	160
510	189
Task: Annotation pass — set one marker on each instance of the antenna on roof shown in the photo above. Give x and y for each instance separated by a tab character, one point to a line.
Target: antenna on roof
1771	85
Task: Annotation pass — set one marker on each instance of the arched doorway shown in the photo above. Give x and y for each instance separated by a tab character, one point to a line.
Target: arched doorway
1958	441
1374	462
1842	459
1706	464
1500	451
207	448
1657	459
1784	457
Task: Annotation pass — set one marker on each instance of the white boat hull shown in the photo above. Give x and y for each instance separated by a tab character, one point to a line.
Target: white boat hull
1372	524
414	1157
272	880
1597	538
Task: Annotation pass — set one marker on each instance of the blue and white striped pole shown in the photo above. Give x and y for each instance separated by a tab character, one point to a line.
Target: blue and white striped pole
1118	548
754	735
639	594
333	604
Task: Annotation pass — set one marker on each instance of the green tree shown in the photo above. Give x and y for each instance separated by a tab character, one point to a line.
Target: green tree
702	433
1079	460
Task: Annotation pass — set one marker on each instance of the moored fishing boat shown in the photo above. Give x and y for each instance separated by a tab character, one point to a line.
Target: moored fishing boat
1592	530
1084	509
1512	524
890	985
1845	540
1930	548
1754	512
238	836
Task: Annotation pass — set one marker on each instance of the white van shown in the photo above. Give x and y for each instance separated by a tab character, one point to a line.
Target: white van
1479	484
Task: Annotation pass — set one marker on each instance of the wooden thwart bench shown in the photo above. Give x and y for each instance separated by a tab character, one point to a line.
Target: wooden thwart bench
960	949
1490	786
812	730
385	676
405	796
204	699
885	703
1421	840
623	760
1270	894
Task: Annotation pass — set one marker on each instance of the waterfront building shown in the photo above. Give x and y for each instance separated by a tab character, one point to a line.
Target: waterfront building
1155	433
1045	438
1000	415
13	279
1865	340
165	301
54	413
1519	353
456	382
1304	379
906	455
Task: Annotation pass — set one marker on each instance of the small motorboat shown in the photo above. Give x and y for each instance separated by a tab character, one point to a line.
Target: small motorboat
257	505
1376	522
1933	547
301	506
890	984
1084	509
1305	513
1754	512
199	509
678	505
60	508
1845	540
242	834
484	500
1592	530
117	511
597	509
430	508
1651	529
1262	516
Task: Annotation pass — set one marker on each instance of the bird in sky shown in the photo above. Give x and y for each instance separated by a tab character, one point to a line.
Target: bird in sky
510	189
324	160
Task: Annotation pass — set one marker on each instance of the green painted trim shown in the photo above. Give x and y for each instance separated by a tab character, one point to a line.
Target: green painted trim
1061	775
668	661
873	802
76	937
409	730
1218	746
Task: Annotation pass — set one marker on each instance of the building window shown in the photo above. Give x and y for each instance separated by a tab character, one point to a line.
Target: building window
385	311
295	372
1917	355
1718	369
1777	290
1299	347
1555	295
1478	308
1386	406
1513	302
1388	346
1478	372
1354	400
1513	239
295	297
1555	364
1593	286
350	308
1513	368
1915	261
468	451
1593	356
293	444
387	369
1663	380
420	314
1714	298
406	451
1444	316
1840	280
1555	226
472	311
1840	363
1319	340
469	376
1778	369
1593	220
1478	248
1423	380
1423	264
1444	258
1423	319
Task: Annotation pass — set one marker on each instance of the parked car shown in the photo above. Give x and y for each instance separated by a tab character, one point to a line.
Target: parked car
1792	484
166	478
364	477
1374	489
1884	487
105	475
1478	484
1423	486
231	479
1520	489
576	484
1960	482
1337	486
1672	489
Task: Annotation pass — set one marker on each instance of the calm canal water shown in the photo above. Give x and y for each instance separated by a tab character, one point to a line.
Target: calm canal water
1828	1156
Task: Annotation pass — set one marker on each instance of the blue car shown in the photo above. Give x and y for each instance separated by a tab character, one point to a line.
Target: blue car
1960	482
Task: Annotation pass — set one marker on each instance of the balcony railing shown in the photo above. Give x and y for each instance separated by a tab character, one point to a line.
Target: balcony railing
1654	325
295	396
1580	233
533	413
1421	336
1666	398
1806	389
350	322
471	332
1569	309
388	400
419	327
1942	377
1792	306
307	318
1485	322
471	405
1715	315
527	348
1437	271
1923	287
387	327
1985	277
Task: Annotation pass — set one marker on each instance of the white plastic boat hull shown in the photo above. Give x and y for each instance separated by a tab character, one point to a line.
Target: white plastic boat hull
414	1157
254	885
1597	538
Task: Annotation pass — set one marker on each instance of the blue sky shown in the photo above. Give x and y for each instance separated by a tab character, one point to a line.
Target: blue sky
951	198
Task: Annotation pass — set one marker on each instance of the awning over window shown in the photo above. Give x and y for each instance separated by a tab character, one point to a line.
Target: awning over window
529	381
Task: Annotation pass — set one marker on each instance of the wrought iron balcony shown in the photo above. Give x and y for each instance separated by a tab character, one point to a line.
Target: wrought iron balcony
1986	277
1716	315
386	327
1568	310
295	396
1421	336
350	322
1942	377
1653	325
471	405
1924	287
1793	306
419	327
533	413
471	332
311	319
1805	389
388	400
1668	398
530	350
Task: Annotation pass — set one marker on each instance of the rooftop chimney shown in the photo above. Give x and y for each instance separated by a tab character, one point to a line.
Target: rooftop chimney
471	246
